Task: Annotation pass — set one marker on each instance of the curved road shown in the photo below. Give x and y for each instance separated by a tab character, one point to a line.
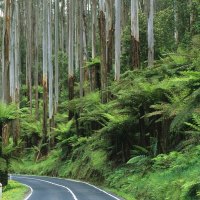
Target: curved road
47	188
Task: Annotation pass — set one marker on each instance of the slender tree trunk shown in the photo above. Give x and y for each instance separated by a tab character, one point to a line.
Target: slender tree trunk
135	33
80	24
50	67
192	17
117	38
85	53
36	60
56	55
45	61
94	27
16	123
29	53
176	34
109	34
6	58
71	55
151	34
104	71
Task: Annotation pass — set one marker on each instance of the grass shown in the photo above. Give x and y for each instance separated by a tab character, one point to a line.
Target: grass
14	191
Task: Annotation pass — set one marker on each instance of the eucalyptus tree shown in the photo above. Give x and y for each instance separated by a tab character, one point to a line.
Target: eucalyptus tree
176	34
117	38
5	52
50	66
14	64
45	62
71	54
17	50
37	43
80	38
62	24
109	4
93	69
56	53
151	34
85	26
102	34
29	50
94	27
135	33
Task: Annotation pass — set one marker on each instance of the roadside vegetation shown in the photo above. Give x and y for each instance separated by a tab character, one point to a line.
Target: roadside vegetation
14	191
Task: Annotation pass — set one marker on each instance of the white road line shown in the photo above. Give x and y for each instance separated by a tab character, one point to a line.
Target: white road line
31	189
30	192
73	195
94	187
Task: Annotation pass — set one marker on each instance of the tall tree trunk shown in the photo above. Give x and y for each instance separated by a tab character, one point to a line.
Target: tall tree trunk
56	54
44	81
94	50
102	32
151	34
16	123
50	67
117	38
62	21
80	24
135	33
29	52
71	55
109	34
94	27
36	58
176	34
85	53
6	58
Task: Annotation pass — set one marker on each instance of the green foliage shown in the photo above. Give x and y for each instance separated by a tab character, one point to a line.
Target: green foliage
94	62
8	112
14	191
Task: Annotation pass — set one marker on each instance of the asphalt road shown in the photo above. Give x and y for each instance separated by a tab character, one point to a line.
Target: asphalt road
49	188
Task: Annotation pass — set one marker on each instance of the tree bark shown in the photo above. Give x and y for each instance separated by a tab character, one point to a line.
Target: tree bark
151	34
6	57
104	70
71	56
44	82
135	34
117	38
56	55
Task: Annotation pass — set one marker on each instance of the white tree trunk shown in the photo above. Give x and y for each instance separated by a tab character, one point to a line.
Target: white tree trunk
151	34
50	67
71	41
17	50
94	27
117	38
12	55
81	47
56	55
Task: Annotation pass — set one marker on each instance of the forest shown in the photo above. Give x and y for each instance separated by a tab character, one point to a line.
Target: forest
102	91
